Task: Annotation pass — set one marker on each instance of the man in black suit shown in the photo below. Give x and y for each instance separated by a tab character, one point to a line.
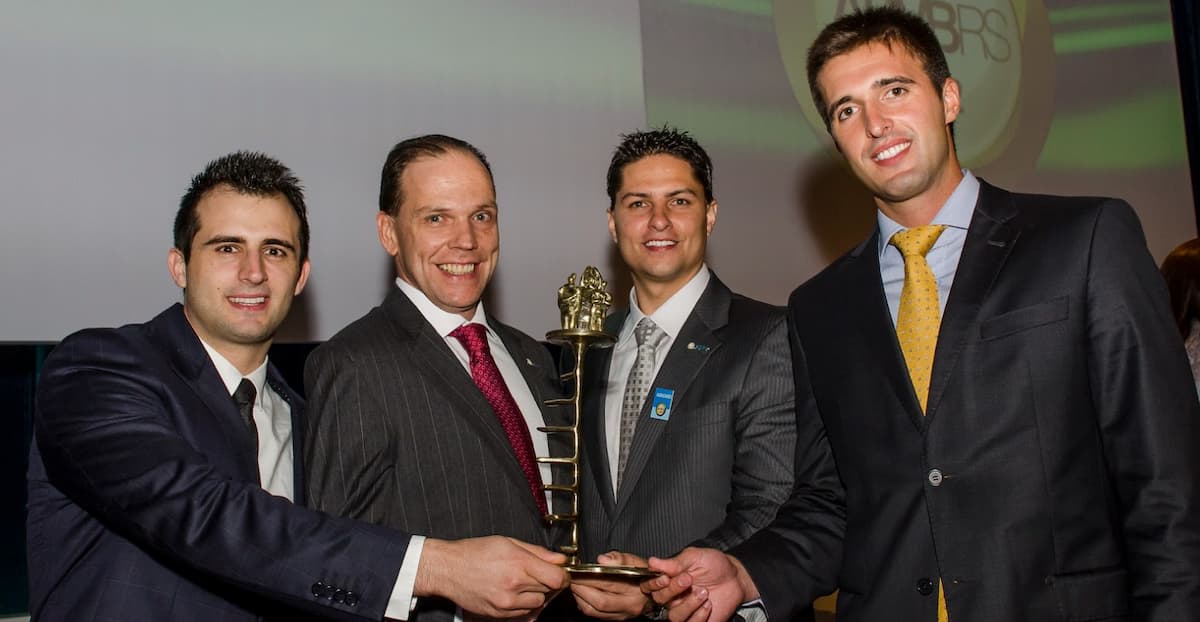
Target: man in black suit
700	450
155	496
1000	381
425	412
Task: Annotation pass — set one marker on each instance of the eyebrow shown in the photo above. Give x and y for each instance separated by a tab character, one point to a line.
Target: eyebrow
644	195
880	83
233	239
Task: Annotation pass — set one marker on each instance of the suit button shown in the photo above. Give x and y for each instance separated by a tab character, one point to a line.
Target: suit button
318	589
935	477
924	586
351	598
339	595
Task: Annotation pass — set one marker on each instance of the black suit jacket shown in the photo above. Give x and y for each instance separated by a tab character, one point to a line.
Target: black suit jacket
400	436
144	501
717	469
1056	473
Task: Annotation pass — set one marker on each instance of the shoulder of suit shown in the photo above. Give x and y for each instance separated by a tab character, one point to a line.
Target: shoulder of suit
365	333
1045	209
743	309
135	346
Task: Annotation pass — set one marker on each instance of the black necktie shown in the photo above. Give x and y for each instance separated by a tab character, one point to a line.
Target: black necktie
244	398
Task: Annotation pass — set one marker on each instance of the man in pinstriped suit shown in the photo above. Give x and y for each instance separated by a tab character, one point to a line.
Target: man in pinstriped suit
399	434
711	452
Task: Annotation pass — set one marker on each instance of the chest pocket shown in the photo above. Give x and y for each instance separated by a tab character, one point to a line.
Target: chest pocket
1025	318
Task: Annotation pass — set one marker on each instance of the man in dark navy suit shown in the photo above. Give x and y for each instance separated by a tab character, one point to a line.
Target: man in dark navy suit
1001	385
164	481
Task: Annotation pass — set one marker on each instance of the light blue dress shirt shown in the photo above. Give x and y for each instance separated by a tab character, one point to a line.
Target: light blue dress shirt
943	257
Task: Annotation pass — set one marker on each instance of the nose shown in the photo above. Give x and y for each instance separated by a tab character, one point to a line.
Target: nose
252	269
465	235
876	122
658	217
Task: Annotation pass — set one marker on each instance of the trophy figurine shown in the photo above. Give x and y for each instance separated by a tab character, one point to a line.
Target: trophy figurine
584	307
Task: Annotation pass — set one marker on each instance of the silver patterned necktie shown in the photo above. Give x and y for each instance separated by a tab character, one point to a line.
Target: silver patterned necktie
649	337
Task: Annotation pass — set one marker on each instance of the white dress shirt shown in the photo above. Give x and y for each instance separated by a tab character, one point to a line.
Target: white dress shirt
273	418
670	317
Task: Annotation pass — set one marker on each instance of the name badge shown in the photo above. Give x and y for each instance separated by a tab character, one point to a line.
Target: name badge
660	408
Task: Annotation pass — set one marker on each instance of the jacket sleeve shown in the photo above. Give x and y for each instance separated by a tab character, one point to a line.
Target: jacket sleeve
764	437
795	559
114	436
1148	417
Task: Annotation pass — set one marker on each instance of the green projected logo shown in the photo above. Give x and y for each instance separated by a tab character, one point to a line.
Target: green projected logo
1001	53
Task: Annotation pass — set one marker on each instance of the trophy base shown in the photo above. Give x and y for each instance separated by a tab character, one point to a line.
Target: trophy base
632	573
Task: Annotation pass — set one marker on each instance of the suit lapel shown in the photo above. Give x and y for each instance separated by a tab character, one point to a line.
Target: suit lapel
192	362
593	427
990	239
684	361
432	358
868	315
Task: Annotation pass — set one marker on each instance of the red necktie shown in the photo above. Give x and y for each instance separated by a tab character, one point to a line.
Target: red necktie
487	377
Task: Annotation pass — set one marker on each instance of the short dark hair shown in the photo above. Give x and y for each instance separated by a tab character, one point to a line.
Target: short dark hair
1181	270
665	140
885	25
391	195
246	172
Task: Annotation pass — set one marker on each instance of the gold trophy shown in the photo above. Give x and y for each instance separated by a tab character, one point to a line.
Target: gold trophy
584	307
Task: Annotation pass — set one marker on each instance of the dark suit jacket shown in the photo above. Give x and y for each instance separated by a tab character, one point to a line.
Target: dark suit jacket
144	501
1056	475
399	435
719	467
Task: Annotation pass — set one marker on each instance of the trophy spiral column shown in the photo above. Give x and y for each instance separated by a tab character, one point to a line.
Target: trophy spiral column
584	307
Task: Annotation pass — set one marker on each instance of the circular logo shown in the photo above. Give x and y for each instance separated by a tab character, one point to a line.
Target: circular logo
1000	52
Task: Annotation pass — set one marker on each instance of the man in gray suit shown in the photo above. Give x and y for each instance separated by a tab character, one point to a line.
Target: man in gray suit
688	427
425	412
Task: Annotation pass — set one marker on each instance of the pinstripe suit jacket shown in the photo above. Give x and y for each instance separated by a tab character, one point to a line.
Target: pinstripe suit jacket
399	435
720	465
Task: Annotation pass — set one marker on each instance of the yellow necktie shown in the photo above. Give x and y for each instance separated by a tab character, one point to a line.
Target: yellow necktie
917	322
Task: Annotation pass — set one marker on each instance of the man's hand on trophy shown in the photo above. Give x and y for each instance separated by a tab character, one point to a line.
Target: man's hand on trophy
700	584
612	599
493	577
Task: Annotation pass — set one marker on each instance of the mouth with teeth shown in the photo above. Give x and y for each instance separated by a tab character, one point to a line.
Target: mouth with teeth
891	152
655	244
457	269
248	302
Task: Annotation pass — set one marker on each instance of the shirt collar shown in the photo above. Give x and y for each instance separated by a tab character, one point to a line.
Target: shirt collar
232	377
956	213
444	322
674	312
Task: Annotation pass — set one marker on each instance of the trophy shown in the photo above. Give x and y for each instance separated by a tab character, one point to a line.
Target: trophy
584	307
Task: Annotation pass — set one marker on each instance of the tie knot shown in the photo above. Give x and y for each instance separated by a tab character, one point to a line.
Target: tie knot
647	332
473	337
245	393
918	240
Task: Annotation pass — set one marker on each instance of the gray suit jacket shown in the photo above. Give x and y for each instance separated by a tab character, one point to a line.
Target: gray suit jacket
399	435
719	466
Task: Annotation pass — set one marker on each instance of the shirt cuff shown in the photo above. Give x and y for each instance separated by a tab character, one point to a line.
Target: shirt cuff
402	601
753	611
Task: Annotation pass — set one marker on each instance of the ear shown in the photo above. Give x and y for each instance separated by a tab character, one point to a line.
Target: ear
178	267
950	102
387	233
612	225
304	268
710	217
